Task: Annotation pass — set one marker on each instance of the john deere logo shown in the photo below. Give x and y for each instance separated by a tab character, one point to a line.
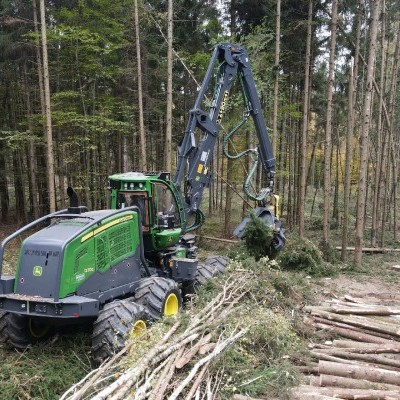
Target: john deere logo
37	271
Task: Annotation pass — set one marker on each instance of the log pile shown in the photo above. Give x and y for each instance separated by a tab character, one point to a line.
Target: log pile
361	359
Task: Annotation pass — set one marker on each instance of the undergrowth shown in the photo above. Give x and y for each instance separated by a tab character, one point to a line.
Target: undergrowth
44	371
259	362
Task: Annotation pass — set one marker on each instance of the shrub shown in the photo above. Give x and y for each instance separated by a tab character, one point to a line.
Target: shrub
302	254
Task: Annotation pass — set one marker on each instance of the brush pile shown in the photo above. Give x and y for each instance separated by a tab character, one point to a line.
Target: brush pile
363	360
220	345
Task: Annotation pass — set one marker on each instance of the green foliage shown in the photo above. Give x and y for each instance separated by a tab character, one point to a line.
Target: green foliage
301	254
258	237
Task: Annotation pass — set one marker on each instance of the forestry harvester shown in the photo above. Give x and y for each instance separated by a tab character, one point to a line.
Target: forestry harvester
125	266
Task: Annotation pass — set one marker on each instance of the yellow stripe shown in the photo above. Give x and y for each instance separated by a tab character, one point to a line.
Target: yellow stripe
106	226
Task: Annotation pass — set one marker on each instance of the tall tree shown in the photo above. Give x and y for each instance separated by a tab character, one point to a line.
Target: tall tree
168	135
306	108
277	73
142	133
353	73
49	132
328	129
364	140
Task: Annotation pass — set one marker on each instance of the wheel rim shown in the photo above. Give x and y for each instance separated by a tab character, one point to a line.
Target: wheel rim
139	327
37	329
171	306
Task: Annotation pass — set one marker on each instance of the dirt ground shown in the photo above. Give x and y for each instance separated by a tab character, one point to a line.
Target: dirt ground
378	279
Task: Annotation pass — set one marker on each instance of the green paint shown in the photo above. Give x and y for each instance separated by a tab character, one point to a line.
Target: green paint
98	253
166	238
37	270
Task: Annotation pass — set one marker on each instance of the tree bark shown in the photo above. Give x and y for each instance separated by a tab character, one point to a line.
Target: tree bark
362	183
328	131
276	83
303	152
359	372
142	133
379	155
31	150
168	135
361	322
344	393
350	383
49	134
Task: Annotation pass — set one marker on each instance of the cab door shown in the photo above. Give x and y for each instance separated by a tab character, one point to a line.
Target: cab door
166	218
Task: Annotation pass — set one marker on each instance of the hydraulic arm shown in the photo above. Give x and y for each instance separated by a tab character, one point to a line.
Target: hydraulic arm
194	158
195	153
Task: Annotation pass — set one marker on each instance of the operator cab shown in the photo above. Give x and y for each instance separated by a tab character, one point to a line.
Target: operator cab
158	202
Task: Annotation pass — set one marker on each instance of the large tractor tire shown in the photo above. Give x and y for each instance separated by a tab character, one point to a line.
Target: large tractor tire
116	321
217	263
213	266
161	296
21	331
4	328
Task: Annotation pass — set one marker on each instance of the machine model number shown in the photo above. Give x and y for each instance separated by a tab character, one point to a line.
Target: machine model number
42	253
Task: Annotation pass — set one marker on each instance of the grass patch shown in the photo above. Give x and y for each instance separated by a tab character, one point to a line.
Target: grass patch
45	371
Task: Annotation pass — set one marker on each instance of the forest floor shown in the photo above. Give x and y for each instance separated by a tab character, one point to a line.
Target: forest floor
353	357
45	371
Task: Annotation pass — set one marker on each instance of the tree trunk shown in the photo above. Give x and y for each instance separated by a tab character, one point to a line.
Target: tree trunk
168	135
362	183
303	152
276	83
4	198
328	130
49	134
379	155
350	383
359	372
32	150
142	133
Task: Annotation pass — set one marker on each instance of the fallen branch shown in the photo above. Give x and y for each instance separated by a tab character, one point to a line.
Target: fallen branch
218	349
356	310
350	383
359	372
344	393
367	348
361	322
371	249
369	358
353	334
220	239
198	381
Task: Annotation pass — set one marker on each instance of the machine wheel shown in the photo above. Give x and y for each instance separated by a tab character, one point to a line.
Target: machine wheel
21	331
218	264
3	328
213	266
115	322
161	296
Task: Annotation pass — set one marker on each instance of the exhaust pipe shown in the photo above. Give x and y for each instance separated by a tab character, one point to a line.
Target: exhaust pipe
73	201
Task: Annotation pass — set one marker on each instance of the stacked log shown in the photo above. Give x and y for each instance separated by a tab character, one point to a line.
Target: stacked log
361	359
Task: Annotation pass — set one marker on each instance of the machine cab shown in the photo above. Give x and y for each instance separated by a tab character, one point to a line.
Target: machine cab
161	212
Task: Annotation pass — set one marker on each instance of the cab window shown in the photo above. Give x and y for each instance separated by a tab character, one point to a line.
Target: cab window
165	207
139	199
